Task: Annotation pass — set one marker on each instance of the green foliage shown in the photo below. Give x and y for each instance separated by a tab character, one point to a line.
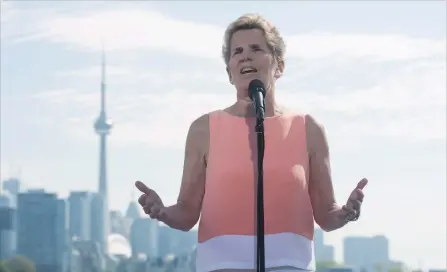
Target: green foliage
4	267
20	264
395	269
322	265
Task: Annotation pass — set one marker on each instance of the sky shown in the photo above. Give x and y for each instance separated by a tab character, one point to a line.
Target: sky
373	73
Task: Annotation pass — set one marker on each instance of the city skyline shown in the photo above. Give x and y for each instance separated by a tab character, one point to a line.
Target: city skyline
64	233
372	70
364	244
131	234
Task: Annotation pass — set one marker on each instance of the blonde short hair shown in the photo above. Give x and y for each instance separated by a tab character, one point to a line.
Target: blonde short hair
274	39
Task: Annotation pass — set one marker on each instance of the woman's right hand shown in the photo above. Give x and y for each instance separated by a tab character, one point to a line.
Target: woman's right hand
151	202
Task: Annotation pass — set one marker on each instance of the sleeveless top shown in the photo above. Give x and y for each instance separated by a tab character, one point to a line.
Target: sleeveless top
227	227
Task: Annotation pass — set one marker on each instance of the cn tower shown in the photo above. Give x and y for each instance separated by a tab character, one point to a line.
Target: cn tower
102	128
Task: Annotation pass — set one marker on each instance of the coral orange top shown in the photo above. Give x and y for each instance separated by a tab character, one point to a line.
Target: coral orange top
227	228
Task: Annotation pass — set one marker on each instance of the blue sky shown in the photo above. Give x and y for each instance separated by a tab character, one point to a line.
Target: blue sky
374	73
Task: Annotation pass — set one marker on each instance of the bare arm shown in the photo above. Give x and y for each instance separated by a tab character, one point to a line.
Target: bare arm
186	212
328	214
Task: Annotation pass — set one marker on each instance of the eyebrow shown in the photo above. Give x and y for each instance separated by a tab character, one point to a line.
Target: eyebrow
252	46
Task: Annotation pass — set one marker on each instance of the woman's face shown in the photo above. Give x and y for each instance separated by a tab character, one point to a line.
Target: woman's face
251	58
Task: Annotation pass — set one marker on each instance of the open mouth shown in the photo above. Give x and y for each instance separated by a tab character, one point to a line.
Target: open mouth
248	70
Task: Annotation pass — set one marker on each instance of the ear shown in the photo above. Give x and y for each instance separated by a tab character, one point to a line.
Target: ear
229	75
279	69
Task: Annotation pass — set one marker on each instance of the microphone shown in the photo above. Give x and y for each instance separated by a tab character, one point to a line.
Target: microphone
256	92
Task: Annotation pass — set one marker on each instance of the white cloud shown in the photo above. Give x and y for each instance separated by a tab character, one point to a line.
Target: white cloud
95	72
162	121
407	104
130	28
158	112
5	170
377	47
54	95
6	12
154	75
72	97
417	88
19	24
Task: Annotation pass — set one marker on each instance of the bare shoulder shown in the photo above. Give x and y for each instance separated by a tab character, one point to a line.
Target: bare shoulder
198	135
312	125
315	134
194	169
200	126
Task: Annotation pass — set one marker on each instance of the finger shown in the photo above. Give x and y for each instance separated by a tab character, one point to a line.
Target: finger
148	208
142	199
349	210
142	187
155	211
356	204
161	213
362	184
357	194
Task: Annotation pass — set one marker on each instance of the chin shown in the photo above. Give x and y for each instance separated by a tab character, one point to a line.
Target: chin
246	81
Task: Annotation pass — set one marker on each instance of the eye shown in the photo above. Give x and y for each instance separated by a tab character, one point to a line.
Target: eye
238	50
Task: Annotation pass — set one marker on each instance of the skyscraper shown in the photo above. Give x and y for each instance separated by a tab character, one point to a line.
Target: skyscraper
8	225
144	238
101	217
80	206
323	252
12	185
366	253
42	234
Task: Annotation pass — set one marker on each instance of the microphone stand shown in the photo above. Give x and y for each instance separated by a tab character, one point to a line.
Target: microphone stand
259	129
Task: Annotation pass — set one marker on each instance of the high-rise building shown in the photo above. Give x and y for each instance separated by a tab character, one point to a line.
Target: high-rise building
318	238
120	224
144	238
12	185
80	207
100	207
133	212
323	252
176	242
366	253
42	230
7	226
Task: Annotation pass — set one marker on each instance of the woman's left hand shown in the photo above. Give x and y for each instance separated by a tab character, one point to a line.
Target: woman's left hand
354	203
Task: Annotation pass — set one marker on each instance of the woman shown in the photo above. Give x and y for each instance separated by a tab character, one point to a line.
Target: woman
219	174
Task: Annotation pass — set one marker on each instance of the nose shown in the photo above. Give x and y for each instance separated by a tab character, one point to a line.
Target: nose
246	57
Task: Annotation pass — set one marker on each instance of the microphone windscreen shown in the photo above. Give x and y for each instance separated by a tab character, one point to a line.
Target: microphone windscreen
256	86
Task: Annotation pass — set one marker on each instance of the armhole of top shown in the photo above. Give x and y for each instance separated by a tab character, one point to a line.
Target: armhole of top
306	140
306	147
213	120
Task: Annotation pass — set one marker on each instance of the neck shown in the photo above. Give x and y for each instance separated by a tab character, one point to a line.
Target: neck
244	107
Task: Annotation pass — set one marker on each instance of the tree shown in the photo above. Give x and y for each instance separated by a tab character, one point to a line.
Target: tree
21	264
395	268
4	267
323	265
